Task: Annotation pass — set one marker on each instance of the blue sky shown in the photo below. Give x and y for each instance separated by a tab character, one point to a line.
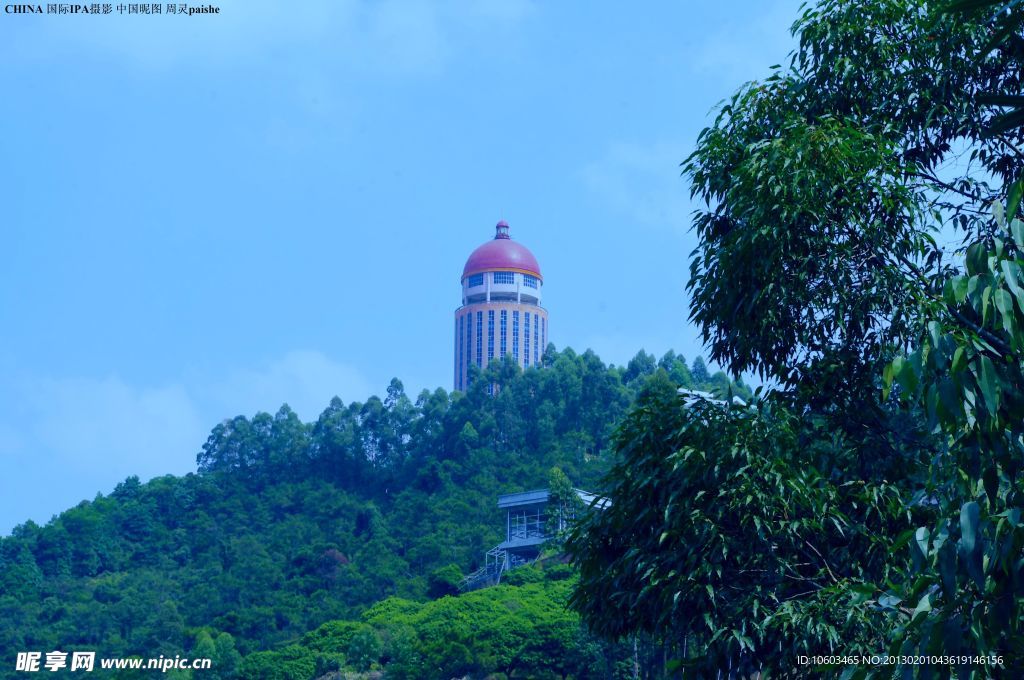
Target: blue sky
203	217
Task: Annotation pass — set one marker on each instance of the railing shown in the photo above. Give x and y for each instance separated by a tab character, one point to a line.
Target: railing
526	524
496	562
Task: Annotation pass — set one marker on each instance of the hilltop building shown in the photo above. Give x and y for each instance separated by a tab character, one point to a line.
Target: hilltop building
501	311
526	524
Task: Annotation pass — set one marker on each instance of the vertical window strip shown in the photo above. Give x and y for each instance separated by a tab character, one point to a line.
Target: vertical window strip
504	333
480	339
536	343
469	344
490	335
526	339
458	365
515	335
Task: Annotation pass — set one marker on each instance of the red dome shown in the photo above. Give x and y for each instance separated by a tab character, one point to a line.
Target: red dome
501	253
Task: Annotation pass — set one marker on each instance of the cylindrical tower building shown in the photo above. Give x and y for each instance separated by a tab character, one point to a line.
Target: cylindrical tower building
500	312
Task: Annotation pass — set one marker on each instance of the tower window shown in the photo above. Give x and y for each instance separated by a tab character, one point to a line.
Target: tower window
515	335
458	331
529	281
504	277
490	335
476	280
469	343
504	332
526	339
536	340
479	338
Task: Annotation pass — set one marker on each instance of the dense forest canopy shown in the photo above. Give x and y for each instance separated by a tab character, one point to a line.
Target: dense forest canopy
287	525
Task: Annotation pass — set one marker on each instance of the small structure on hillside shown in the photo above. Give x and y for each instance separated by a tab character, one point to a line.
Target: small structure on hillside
691	397
526	526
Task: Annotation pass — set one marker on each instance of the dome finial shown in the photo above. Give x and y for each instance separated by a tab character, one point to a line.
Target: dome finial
501	229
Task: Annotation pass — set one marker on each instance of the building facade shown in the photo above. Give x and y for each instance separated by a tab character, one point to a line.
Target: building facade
501	312
526	526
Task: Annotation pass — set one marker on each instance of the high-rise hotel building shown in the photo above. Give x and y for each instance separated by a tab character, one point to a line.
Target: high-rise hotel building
500	312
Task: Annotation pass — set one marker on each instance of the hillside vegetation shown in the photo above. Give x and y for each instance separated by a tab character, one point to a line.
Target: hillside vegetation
287	525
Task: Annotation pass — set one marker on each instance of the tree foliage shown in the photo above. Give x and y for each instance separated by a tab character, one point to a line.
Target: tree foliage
825	183
848	253
733	537
966	374
288	525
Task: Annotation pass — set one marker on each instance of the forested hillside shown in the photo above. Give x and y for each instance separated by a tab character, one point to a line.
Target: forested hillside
287	525
521	628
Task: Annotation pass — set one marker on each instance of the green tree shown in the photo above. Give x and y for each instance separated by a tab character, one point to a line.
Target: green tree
639	366
444	581
825	184
205	648
699	372
564	505
727	538
364	648
827	188
966	582
226	658
290	663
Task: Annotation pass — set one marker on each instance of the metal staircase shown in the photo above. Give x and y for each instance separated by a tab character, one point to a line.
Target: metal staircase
496	562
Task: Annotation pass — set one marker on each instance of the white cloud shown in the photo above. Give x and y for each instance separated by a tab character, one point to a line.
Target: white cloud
306	380
642	183
65	439
81	423
742	49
